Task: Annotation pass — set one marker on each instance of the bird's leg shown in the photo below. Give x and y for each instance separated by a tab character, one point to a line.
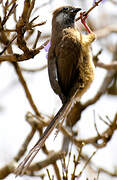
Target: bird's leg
83	17
89	38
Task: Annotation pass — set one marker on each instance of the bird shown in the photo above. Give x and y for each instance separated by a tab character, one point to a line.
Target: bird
70	68
70	65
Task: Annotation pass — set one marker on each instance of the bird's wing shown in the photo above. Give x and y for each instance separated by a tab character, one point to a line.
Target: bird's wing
53	77
68	53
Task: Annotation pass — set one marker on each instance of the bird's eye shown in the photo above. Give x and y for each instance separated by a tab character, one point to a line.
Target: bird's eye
65	9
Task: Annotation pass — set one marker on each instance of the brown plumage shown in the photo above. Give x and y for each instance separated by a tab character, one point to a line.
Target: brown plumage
70	64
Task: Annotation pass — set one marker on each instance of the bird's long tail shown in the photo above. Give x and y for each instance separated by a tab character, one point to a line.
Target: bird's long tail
61	115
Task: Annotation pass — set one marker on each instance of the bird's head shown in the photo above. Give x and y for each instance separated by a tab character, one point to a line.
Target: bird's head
64	16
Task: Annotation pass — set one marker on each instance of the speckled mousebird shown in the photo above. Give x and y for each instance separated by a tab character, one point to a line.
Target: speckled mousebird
70	67
70	63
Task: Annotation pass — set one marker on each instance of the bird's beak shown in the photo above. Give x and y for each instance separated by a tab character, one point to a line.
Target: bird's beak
75	10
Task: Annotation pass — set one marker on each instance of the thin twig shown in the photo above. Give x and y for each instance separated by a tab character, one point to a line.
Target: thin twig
8	45
76	162
56	168
31	8
95	125
87	12
36	40
10	12
105	122
48	174
86	164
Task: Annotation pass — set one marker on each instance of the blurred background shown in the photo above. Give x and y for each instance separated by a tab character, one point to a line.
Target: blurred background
95	116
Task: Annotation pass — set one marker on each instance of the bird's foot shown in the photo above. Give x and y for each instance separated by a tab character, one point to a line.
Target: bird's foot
83	16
